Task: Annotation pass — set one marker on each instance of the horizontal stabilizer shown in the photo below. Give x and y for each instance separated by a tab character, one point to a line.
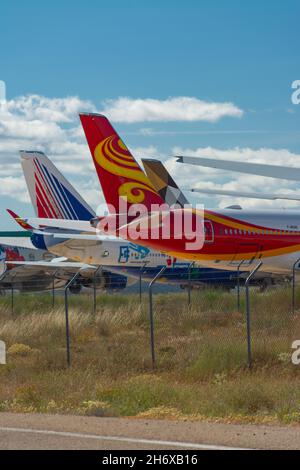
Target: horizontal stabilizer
260	169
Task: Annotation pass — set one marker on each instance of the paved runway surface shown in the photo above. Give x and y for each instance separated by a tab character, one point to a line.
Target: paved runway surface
36	431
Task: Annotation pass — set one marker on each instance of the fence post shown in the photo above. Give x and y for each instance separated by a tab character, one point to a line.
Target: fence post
293	285
99	269
140	281
67	286
238	287
189	282
248	319
12	298
53	289
151	314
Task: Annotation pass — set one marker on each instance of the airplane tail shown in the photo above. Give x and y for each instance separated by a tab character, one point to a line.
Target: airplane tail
52	196
20	221
164	183
119	174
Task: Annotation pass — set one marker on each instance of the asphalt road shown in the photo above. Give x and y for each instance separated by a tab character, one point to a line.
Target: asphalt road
37	431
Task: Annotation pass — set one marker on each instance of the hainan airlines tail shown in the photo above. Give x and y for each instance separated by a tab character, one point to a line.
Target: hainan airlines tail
52	196
119	174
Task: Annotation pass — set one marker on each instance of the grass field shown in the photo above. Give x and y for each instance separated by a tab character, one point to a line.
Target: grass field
201	370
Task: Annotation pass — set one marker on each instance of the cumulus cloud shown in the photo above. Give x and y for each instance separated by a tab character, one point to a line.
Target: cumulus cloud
180	108
35	122
8	185
51	125
58	110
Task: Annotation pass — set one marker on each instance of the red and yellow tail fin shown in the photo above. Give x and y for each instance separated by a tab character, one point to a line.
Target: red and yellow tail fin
19	220
119	174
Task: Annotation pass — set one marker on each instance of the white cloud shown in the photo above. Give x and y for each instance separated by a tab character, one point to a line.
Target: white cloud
180	108
8	185
38	123
52	126
59	110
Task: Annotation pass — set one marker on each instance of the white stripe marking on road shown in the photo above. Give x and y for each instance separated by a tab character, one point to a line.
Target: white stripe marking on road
187	445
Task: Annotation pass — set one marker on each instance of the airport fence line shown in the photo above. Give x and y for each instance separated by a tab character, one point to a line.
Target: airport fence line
201	327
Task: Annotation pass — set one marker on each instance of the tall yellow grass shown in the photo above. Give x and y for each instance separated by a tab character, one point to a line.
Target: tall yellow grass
201	357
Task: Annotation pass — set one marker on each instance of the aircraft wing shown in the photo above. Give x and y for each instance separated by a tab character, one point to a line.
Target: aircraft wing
260	169
18	242
73	236
52	264
79	225
41	273
20	239
221	192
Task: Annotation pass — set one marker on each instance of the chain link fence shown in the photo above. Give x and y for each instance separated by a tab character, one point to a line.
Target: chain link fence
198	327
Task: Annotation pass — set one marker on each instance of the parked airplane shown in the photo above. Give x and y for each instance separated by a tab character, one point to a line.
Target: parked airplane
28	269
51	196
118	256
232	237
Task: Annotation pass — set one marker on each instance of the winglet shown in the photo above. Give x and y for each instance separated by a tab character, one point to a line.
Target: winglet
19	220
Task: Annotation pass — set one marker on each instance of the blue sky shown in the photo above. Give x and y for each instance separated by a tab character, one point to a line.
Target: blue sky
214	51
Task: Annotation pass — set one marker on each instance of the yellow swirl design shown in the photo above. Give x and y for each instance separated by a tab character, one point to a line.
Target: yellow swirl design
119	162
133	191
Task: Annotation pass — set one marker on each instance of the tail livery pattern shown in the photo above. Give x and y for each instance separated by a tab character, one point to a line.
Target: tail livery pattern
19	220
164	183
119	174
52	196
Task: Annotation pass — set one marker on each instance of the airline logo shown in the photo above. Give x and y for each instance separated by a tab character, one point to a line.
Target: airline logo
132	250
10	254
54	201
114	157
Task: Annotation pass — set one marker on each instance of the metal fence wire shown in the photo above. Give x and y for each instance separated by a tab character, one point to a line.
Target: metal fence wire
199	328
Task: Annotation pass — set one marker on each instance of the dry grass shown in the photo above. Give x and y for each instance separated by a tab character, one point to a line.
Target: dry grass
201	358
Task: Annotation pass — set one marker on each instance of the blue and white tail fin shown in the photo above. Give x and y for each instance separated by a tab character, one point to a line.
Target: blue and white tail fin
52	196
